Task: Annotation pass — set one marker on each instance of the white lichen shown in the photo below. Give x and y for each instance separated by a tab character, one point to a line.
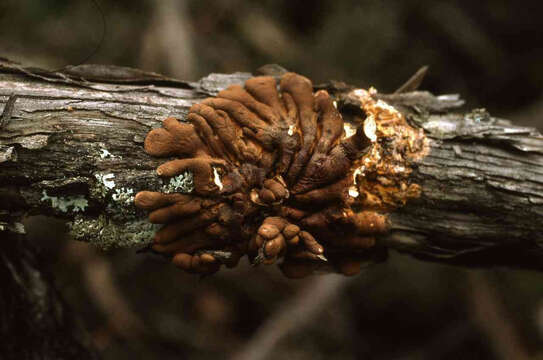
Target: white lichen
102	186
78	203
121	205
104	153
124	195
106	180
182	183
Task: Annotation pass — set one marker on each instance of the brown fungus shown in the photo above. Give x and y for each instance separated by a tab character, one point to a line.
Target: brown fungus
279	174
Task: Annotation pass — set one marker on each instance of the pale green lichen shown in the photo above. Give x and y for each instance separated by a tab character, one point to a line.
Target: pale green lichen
123	195
101	153
120	225
104	153
105	234
122	204
103	185
182	183
78	203
107	180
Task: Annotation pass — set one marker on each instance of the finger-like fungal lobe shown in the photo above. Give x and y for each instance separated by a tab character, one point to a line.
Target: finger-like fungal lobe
281	177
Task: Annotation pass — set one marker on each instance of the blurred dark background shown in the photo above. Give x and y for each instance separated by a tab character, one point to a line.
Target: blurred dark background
136	306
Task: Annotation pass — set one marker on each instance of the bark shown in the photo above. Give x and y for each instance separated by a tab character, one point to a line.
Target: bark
72	147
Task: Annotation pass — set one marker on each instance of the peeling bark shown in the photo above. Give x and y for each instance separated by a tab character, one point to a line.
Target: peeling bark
72	146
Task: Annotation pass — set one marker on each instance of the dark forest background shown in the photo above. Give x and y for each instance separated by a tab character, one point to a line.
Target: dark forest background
137	306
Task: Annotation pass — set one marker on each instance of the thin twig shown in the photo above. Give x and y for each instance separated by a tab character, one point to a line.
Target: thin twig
293	315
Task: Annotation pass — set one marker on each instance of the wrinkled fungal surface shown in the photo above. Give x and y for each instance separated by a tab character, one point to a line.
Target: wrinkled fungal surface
281	177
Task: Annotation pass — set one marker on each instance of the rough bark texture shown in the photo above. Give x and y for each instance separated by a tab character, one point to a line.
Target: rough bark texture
71	146
482	186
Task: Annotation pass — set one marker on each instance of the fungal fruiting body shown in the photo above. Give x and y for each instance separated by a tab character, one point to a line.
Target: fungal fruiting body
278	175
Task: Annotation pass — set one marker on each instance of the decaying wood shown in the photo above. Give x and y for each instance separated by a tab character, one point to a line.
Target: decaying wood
72	146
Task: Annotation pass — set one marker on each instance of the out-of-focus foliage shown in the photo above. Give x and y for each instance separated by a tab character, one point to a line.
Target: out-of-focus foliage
485	50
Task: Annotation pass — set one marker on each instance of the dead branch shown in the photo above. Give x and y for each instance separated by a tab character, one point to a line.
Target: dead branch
71	145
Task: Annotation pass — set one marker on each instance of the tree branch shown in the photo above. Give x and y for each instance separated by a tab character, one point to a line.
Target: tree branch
72	146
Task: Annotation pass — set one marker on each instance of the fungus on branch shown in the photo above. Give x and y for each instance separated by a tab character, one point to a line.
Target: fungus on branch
277	177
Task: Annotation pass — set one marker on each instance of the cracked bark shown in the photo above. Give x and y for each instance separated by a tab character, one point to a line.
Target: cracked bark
72	147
